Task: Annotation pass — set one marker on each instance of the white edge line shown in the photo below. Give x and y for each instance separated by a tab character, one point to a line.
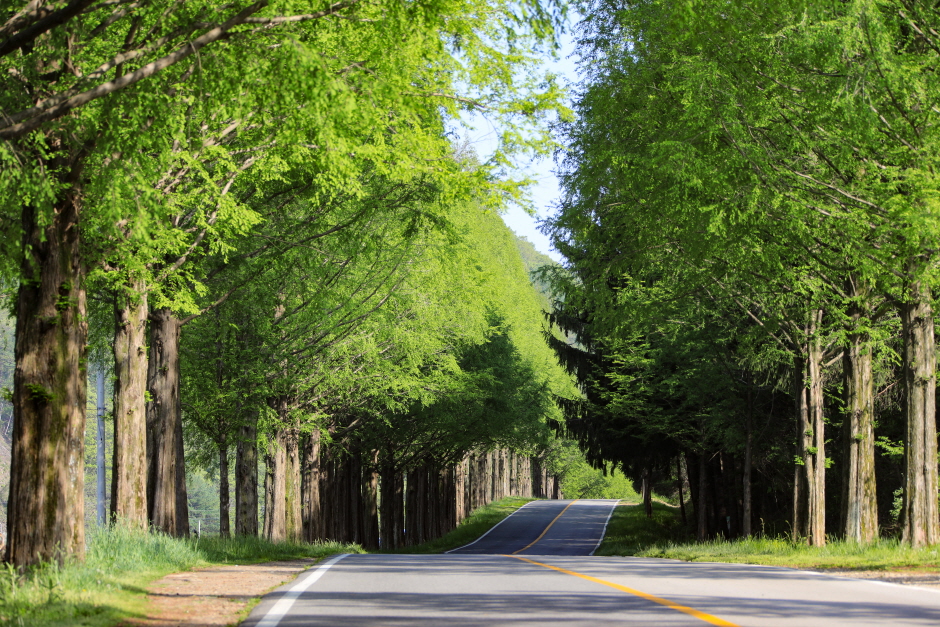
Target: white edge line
488	530
604	533
283	605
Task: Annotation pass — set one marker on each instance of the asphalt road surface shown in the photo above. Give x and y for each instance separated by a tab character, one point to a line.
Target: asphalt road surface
536	568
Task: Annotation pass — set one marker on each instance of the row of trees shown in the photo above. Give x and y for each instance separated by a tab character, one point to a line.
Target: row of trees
396	405
751	220
263	178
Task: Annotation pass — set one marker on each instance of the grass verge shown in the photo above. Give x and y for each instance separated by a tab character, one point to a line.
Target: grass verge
110	585
881	555
631	533
472	527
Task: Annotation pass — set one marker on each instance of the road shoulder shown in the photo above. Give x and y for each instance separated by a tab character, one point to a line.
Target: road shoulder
217	595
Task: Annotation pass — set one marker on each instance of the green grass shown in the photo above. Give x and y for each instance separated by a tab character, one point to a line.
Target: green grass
631	533
472	527
881	555
110	585
256	550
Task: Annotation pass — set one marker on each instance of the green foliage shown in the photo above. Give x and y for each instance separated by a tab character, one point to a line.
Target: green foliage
584	482
579	480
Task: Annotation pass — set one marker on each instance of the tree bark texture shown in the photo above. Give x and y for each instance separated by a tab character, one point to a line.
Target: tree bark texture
809	490
246	478
46	507
919	525
101	490
225	530
860	505
701	503
679	482
370	509
748	447
275	489
310	488
292	506
129	460
166	479
182	496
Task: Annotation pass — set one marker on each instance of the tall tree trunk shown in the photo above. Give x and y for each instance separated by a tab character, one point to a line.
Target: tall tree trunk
701	504
817	478
859	503
246	478
275	487
647	492
46	507
166	481
748	444
809	490
370	512
679	483
354	496
310	488
919	524
224	528
392	506
327	515
100	491
182	496
386	525
129	460
292	514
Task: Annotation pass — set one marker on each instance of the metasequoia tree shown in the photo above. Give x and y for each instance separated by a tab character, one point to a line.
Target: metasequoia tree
111	82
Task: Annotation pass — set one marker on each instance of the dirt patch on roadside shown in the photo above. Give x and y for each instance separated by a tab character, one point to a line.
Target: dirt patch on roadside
905	577
213	597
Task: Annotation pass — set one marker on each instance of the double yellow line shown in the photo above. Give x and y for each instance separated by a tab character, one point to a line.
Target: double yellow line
708	618
544	531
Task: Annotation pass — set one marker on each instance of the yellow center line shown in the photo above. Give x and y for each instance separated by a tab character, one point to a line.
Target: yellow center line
546	528
708	618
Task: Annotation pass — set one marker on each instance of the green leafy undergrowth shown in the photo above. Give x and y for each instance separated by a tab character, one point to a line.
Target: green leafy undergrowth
110	585
472	527
881	555
629	531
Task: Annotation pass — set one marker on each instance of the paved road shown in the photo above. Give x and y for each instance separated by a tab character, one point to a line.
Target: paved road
549	583
546	528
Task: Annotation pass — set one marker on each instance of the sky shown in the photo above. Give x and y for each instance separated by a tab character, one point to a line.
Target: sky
545	192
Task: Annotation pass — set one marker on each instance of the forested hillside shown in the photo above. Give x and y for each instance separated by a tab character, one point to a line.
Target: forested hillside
750	217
